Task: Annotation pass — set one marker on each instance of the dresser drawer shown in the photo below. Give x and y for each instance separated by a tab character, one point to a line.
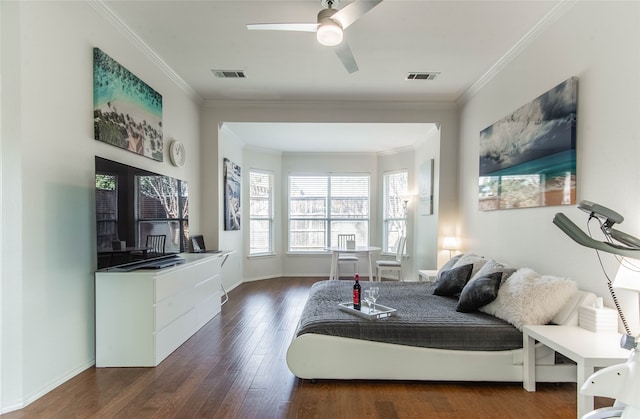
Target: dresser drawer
173	307
173	282
208	308
206	288
206	269
175	334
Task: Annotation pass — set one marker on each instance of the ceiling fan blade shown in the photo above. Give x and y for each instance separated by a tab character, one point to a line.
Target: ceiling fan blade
346	56
299	27
354	11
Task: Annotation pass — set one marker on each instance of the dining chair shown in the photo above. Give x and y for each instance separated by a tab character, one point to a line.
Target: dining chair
346	258
156	244
392	265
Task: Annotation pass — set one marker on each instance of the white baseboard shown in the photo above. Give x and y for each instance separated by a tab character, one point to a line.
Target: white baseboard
26	401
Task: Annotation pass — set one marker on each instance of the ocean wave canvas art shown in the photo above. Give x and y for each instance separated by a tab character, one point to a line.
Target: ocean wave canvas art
127	113
232	194
528	159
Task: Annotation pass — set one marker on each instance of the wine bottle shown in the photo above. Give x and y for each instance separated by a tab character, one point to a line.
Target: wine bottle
356	293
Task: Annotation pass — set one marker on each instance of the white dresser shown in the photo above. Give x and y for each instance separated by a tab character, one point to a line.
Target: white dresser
144	315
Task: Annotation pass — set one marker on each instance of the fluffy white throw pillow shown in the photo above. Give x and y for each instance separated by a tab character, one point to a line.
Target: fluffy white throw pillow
527	298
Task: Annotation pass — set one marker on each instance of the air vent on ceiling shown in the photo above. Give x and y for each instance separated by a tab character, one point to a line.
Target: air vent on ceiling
422	76
229	74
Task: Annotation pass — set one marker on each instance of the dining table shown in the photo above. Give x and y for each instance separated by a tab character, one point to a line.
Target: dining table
337	250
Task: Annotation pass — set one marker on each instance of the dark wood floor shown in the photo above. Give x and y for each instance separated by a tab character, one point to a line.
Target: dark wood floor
234	367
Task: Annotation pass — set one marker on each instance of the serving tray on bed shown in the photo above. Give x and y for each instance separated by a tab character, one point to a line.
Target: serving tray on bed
365	311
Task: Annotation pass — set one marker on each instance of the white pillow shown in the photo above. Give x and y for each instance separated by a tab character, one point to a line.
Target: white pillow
526	298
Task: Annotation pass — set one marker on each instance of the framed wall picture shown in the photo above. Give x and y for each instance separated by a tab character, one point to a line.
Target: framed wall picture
528	158
232	213
127	113
425	197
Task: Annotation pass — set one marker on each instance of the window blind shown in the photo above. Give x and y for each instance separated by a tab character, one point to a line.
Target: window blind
260	212
323	206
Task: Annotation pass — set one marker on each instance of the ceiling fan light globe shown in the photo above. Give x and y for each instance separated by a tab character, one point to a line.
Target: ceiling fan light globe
329	34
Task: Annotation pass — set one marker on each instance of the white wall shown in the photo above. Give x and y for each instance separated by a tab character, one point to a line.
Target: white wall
48	225
426	227
599	42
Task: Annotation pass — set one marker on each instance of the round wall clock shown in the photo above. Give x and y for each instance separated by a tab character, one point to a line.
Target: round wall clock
177	153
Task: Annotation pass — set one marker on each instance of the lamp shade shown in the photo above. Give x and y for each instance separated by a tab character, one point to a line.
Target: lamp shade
627	278
450	243
329	33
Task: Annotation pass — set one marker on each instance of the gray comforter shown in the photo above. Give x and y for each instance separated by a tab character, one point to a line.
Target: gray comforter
422	319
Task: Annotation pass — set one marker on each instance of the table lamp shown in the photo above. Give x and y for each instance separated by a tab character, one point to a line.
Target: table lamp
450	244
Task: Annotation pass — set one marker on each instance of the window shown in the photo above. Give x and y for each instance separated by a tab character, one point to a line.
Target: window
260	212
395	211
323	206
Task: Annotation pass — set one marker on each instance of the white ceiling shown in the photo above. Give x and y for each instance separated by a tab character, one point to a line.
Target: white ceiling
462	40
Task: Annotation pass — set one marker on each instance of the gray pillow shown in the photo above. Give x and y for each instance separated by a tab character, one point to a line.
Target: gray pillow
480	292
493	266
452	281
477	260
450	263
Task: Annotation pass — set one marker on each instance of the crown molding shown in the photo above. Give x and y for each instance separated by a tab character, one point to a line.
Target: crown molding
311	104
554	14
399	150
112	18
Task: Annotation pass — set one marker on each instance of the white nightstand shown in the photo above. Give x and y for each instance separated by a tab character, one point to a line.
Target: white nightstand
587	349
428	275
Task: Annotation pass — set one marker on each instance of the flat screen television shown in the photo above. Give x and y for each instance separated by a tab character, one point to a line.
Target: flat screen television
133	203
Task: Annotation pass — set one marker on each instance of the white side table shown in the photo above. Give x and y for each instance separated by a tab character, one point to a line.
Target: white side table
428	275
587	349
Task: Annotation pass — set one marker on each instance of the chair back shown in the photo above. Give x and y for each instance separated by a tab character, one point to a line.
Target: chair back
347	241
156	243
400	250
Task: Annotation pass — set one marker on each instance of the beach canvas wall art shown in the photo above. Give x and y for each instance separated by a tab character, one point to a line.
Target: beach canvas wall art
528	159
127	113
231	195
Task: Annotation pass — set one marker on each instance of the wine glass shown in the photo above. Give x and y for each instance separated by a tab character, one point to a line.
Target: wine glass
374	292
367	298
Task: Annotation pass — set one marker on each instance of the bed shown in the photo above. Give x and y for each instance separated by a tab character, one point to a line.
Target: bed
427	339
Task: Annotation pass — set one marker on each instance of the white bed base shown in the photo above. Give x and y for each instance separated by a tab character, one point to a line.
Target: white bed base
314	356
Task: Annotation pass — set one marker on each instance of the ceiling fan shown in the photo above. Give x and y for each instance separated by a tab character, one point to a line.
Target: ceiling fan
329	28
